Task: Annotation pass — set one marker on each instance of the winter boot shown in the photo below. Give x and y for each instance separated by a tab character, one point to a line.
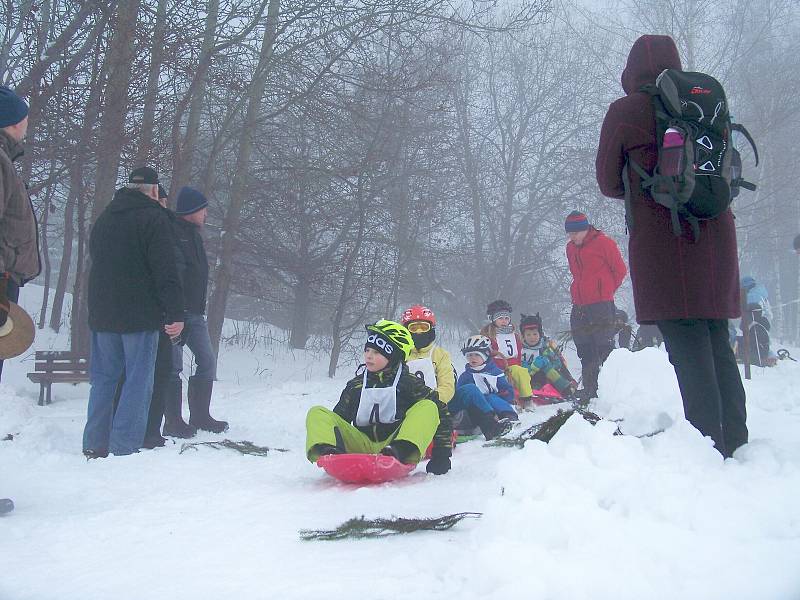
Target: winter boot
199	401
153	441
488	423
400	450
174	425
326	449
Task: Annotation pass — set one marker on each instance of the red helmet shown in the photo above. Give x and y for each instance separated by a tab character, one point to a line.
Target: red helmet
418	313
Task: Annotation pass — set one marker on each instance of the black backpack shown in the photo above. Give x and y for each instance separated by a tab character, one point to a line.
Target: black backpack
710	171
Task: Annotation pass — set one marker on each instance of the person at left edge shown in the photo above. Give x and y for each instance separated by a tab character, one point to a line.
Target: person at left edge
134	292
19	240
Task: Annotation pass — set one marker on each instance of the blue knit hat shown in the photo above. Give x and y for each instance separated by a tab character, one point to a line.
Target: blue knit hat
190	201
12	108
576	221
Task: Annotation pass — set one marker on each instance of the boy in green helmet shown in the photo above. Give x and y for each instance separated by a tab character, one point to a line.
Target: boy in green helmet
384	409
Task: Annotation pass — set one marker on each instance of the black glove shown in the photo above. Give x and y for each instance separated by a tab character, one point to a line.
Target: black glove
4	304
439	464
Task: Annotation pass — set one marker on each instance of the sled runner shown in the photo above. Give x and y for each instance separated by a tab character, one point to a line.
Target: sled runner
363	468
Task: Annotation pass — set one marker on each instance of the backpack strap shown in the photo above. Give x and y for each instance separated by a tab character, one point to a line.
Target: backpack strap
743	130
647	183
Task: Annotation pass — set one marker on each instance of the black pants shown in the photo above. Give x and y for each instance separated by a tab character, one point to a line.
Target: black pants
12	291
593	330
709	380
161	385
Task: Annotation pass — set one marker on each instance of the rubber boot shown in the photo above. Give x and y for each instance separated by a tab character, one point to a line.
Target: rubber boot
199	401
174	425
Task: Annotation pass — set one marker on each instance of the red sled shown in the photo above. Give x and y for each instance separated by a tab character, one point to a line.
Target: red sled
546	394
364	468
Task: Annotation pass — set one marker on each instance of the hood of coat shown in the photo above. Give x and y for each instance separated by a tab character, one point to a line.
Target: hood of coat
649	56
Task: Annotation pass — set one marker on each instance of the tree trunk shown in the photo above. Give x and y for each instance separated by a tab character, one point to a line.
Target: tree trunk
145	152
301	311
66	254
224	271
46	251
120	57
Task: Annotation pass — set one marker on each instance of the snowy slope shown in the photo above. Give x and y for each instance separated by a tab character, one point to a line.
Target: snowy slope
590	515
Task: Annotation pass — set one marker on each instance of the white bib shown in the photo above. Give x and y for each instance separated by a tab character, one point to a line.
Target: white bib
424	369
378	405
486	383
528	354
507	344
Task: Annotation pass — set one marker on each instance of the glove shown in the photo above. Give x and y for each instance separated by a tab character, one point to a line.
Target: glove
439	464
4	304
542	363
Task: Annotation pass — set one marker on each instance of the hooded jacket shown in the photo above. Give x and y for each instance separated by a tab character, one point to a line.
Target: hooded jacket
19	238
673	277
133	281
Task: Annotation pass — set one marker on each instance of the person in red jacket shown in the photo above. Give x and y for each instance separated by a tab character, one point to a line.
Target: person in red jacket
597	272
688	287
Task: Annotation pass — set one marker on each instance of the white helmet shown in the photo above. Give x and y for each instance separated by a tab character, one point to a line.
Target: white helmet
479	344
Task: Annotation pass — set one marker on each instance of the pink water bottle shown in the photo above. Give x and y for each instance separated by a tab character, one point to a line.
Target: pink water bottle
671	162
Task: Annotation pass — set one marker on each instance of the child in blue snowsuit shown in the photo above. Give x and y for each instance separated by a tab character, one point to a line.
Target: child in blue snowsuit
483	393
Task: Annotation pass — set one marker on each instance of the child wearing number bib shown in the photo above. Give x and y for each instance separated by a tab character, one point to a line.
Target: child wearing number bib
384	409
507	349
483	394
542	358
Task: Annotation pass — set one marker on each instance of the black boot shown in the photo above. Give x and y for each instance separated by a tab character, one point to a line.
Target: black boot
199	401
401	450
174	425
490	426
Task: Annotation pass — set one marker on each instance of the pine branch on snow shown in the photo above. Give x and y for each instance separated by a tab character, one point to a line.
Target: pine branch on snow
359	527
545	431
243	447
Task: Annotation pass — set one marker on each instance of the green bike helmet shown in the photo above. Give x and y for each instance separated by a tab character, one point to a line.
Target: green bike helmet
395	334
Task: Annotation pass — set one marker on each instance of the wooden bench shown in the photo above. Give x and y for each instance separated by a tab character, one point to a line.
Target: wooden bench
54	366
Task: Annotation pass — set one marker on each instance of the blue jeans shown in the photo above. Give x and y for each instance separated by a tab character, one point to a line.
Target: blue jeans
195	337
471	395
113	354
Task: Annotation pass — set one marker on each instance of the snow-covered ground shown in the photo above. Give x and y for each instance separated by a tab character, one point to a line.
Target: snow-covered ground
591	515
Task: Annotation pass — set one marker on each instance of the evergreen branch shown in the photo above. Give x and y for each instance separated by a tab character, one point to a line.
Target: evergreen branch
243	447
546	430
360	528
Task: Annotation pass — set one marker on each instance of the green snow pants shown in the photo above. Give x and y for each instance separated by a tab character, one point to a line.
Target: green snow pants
418	428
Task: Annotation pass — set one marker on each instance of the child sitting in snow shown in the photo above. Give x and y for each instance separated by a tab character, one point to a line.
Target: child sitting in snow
385	410
507	348
431	363
482	390
541	357
427	360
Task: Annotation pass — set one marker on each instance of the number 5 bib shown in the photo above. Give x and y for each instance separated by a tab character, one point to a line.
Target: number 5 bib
507	344
378	405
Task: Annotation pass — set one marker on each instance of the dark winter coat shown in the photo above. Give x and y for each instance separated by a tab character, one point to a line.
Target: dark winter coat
597	268
133	282
192	265
19	235
410	390
673	277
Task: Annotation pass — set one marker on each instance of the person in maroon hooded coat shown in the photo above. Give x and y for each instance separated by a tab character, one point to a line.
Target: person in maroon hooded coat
689	288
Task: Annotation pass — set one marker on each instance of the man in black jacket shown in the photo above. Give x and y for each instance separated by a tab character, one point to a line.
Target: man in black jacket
134	292
193	265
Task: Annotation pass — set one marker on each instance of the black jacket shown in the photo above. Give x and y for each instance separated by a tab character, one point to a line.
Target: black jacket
133	281
410	390
192	265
